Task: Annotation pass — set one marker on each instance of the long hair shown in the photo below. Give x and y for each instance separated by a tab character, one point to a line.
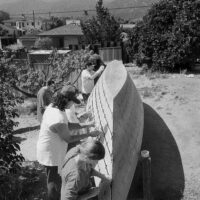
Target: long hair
60	102
93	149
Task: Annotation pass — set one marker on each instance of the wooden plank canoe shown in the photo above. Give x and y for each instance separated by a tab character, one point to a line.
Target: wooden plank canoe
118	110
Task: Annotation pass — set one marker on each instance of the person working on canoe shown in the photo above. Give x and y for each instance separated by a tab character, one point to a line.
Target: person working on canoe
44	98
78	169
98	62
87	79
54	137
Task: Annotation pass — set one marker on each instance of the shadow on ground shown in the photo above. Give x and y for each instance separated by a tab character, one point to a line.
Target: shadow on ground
27	129
18	139
167	176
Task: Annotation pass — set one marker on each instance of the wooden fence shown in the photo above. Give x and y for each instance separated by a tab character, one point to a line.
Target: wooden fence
110	53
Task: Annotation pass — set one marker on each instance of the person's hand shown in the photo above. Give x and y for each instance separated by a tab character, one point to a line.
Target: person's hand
91	123
85	115
101	68
95	133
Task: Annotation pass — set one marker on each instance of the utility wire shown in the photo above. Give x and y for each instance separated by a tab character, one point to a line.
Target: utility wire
77	11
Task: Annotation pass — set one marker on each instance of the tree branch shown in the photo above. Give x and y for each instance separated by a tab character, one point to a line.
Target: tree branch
24	92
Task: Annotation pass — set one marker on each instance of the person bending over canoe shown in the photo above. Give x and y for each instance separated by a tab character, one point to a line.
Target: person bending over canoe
54	137
78	168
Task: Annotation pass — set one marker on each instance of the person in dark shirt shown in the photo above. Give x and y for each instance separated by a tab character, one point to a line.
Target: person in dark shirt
78	169
44	98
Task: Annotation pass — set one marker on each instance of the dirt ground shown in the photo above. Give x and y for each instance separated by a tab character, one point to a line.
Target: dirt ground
175	101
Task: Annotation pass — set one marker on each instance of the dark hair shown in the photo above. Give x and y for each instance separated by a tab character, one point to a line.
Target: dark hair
93	149
88	64
60	101
50	82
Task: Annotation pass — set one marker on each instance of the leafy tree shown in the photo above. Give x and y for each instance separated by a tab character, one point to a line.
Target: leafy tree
4	15
101	28
28	79
10	157
169	35
53	22
43	43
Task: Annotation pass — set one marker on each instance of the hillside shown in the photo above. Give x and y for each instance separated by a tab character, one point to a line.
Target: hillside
131	13
27	6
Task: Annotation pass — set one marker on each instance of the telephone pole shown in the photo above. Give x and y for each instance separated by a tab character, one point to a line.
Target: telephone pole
33	18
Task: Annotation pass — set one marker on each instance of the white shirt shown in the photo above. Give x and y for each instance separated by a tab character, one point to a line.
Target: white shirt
72	118
51	148
87	81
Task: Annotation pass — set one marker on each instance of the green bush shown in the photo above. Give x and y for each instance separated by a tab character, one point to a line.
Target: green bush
103	27
10	157
43	43
168	37
27	183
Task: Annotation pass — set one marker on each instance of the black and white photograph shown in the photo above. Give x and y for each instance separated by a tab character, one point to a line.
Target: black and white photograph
99	99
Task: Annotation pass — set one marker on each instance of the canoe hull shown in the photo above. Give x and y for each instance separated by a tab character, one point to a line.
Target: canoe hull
118	111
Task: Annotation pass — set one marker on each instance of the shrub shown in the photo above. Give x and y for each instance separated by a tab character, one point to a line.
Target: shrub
10	157
101	28
43	43
168	37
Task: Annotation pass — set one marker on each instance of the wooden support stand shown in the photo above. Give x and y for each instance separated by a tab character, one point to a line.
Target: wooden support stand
146	170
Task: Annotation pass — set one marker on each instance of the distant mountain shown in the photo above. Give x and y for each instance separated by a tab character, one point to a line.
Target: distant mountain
131	13
40	6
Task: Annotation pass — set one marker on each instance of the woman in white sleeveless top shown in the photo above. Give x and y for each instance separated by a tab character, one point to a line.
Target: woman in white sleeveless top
54	137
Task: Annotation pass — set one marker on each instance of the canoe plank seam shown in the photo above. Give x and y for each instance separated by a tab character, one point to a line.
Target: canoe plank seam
106	166
101	81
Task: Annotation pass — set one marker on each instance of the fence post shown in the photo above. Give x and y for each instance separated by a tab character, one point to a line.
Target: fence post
146	172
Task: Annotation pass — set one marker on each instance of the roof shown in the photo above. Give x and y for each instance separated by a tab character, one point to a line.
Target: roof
6	27
37	52
42	56
28	37
70	29
128	26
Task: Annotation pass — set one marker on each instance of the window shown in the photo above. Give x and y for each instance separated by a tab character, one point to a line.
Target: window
32	23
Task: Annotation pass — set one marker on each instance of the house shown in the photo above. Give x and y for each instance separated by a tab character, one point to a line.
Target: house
10	30
73	21
64	36
127	26
27	41
24	23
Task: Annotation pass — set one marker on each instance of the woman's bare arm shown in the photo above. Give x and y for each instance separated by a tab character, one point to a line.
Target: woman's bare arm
63	131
